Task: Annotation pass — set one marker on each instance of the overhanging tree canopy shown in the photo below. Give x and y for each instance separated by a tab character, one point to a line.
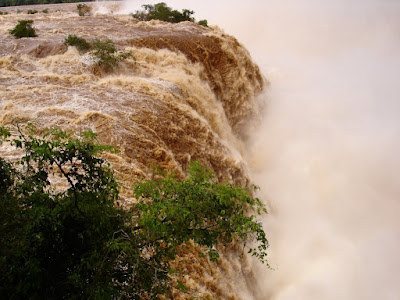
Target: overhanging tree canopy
75	242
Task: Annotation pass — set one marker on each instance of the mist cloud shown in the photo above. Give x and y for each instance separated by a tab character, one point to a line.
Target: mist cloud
326	156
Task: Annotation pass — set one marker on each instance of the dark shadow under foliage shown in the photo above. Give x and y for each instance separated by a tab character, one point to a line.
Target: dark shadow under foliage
55	244
75	242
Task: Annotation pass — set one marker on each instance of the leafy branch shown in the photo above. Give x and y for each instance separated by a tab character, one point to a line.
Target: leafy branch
76	242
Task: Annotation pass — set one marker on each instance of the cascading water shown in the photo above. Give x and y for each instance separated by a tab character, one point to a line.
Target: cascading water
325	155
328	151
187	95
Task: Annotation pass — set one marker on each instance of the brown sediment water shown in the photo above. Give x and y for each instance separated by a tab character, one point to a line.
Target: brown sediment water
188	94
326	157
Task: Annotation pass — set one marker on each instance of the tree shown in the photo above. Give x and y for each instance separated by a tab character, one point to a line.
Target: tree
74	241
106	55
56	242
162	12
23	29
201	210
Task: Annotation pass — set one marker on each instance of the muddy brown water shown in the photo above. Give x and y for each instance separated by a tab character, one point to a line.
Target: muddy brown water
188	94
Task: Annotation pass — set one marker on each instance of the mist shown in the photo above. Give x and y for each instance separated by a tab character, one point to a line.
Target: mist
326	156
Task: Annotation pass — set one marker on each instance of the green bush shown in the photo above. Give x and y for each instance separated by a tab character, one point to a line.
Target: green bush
77	243
162	12
106	55
23	29
45	11
3	13
55	244
103	52
31	12
83	9
203	23
78	42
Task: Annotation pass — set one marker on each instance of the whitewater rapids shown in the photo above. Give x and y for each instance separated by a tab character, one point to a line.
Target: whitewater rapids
326	156
190	93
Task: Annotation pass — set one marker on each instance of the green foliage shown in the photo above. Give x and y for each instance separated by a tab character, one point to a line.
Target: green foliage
3	13
83	9
103	52
75	243
161	11
201	210
203	23
78	42
31	11
55	242
45	11
23	29
106	55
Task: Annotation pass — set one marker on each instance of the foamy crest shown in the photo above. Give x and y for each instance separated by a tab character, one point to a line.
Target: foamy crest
186	96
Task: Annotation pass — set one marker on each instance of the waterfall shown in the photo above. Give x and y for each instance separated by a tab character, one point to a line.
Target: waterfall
326	155
309	113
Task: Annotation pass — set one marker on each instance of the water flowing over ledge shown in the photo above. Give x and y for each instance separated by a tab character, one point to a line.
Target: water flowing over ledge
190	94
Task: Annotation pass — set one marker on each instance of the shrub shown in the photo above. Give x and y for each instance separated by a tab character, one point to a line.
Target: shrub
83	9
78	42
45	11
53	243
23	29
31	12
106	55
3	13
77	243
203	23
162	12
103	52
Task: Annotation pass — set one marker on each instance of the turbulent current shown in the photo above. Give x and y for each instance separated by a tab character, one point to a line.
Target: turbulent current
320	135
326	156
188	94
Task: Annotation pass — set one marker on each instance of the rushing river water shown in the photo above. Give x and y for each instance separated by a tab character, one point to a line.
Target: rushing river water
326	156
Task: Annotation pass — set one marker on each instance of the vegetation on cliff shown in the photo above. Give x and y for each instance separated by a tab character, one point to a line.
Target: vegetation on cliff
72	240
103	52
162	12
